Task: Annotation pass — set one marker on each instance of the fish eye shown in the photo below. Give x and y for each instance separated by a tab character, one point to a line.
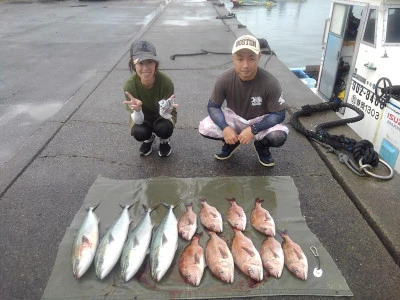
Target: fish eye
251	271
221	271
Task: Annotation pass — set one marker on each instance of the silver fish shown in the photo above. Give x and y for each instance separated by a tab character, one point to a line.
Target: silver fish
111	244
136	246
164	244
85	244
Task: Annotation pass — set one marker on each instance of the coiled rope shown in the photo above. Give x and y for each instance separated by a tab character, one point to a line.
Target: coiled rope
363	149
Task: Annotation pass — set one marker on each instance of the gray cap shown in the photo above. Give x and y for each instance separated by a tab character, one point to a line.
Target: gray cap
142	50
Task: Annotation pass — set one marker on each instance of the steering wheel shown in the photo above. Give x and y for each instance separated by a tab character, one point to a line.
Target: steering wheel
383	91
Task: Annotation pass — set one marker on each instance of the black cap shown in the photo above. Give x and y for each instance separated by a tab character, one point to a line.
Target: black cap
142	50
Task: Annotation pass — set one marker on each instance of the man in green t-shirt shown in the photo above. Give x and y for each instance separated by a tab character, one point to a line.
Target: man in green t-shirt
150	99
254	108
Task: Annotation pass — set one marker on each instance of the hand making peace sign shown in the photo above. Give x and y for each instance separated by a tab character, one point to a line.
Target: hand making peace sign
134	103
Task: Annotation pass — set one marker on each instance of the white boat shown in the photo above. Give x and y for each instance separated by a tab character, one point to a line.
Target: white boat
360	61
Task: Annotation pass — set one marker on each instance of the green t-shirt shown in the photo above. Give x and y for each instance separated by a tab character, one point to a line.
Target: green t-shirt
163	88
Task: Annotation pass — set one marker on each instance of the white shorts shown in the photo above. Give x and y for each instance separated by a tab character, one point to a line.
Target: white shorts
209	129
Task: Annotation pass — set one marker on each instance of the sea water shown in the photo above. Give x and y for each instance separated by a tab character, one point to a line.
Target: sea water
293	28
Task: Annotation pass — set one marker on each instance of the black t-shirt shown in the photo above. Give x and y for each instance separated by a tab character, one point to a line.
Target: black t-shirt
248	99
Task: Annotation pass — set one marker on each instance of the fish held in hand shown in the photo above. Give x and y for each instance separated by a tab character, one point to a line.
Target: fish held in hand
272	257
136	246
164	244
246	256
112	244
210	217
219	258
295	259
236	215
187	223
192	262
85	243
262	220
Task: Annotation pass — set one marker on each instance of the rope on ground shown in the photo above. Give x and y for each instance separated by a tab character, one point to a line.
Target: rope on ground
363	151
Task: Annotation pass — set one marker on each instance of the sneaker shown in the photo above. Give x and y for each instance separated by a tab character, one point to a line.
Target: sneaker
165	148
147	146
264	156
226	151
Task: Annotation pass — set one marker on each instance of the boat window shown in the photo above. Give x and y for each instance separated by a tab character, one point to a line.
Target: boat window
339	15
393	25
369	34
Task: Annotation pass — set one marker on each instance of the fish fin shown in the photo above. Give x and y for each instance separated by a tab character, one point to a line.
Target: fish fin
85	240
298	254
192	219
249	251
196	259
214	215
136	242
223	252
111	238
274	253
189	204
202	200
230	200
164	239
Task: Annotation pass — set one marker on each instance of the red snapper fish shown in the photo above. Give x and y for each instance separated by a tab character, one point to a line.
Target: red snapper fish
187	223
272	257
219	258
246	256
192	262
295	259
236	216
210	217
262	220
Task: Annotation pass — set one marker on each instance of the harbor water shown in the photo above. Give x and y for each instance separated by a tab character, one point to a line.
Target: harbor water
293	28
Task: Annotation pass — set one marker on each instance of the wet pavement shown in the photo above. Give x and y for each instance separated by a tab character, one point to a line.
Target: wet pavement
85	134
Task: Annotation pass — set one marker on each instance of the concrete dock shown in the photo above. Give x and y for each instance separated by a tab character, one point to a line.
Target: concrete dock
43	185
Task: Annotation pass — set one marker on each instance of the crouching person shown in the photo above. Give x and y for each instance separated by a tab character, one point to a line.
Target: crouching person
255	108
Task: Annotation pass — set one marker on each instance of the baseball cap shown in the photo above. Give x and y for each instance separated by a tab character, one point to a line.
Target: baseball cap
142	50
246	42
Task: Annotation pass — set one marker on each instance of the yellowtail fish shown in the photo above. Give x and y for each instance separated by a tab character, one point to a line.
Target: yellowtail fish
85	244
164	244
137	246
111	244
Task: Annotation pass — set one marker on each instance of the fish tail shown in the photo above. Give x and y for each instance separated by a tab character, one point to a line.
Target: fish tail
283	233
189	204
231	200
152	207
198	235
202	200
258	200
92	207
126	205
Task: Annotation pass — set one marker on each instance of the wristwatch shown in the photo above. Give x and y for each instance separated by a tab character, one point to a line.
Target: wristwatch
253	129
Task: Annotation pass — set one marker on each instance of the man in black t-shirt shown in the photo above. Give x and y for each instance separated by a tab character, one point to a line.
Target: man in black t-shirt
254	108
